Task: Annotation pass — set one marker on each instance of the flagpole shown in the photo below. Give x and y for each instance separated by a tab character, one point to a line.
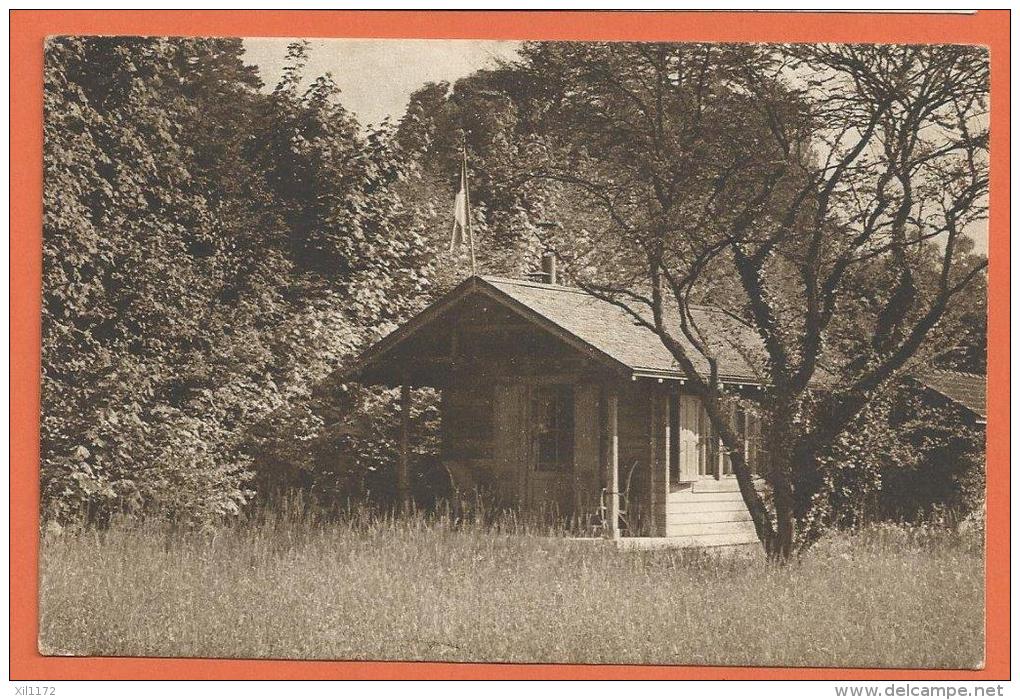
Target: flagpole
467	206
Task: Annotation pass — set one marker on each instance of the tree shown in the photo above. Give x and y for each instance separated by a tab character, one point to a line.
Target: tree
128	272
211	253
775	176
904	458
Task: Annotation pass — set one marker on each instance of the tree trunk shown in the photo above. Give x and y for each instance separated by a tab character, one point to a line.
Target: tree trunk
786	524
782	465
752	499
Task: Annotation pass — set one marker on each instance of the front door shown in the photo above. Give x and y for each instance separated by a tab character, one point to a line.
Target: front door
550	472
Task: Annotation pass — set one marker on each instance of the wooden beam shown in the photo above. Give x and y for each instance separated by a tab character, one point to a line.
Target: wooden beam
403	460
612	477
747	440
658	459
509	327
587	466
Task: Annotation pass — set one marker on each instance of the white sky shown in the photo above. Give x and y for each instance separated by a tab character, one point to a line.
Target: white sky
377	76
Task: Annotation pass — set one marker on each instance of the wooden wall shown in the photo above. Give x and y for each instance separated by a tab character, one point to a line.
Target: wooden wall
634	436
467	420
511	442
587	447
645	439
487	444
661	402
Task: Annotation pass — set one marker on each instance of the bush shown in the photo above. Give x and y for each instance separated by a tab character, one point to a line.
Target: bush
904	460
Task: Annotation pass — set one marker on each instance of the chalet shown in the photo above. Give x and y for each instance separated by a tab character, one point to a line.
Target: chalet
557	401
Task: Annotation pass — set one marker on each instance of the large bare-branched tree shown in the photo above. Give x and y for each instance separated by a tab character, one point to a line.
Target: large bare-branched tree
775	180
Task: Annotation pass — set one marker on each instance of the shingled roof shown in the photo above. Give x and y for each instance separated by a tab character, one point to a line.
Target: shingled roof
967	390
599	327
612	331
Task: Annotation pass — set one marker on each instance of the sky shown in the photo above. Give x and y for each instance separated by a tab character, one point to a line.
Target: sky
377	76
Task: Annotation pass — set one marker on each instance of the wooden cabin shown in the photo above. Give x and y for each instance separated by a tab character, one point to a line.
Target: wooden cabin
558	402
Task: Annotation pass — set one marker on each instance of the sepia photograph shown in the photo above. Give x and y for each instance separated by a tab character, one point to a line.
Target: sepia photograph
506	351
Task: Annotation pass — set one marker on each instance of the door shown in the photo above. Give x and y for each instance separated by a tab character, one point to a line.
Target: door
551	464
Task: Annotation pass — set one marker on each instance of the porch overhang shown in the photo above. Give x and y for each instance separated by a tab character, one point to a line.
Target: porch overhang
398	359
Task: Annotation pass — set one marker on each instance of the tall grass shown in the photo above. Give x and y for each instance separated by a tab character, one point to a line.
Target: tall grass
370	587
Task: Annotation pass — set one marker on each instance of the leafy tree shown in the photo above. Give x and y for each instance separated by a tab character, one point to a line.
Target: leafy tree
211	253
776	176
126	283
497	115
903	458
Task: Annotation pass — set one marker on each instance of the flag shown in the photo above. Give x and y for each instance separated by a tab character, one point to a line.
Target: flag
462	215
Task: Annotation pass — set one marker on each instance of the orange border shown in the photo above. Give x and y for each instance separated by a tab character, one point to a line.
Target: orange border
28	28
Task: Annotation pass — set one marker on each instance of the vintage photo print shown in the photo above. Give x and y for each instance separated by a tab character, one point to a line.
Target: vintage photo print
514	351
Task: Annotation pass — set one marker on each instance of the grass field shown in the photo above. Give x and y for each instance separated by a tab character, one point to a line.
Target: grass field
426	590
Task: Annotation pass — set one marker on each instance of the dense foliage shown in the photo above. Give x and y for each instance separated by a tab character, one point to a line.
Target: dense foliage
909	457
211	252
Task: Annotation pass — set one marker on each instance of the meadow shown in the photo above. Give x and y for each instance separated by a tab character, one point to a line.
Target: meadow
427	588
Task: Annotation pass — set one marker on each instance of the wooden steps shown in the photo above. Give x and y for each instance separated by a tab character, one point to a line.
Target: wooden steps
709	513
704	497
717	544
724	528
725	540
703	507
690	517
715	485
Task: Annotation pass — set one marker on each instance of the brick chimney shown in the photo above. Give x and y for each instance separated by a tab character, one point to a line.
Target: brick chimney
549	267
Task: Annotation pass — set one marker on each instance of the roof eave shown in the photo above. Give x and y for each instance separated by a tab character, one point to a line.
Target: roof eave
408	329
653	373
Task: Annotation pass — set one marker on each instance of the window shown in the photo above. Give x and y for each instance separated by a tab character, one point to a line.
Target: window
553	416
748	425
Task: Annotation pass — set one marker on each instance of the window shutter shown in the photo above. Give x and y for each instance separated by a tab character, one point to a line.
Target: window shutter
687	437
708	444
753	440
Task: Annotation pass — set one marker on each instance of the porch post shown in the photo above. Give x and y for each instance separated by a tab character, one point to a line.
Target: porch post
612	481
658	459
403	460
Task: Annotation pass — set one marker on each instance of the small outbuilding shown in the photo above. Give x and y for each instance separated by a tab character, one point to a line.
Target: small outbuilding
556	401
964	390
